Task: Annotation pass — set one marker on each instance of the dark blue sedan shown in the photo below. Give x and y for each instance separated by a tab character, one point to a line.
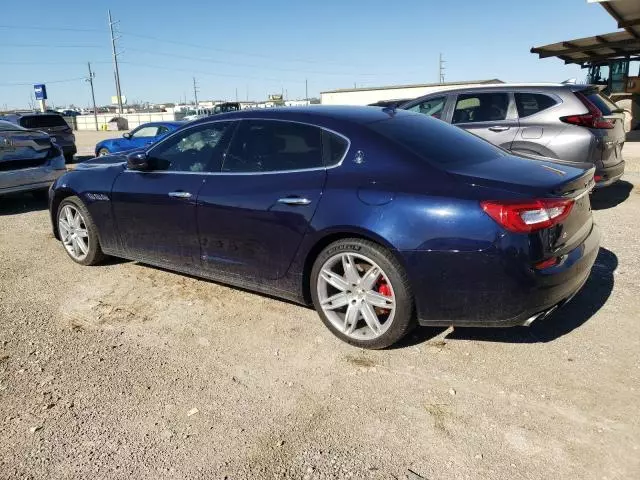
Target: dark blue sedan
381	219
139	138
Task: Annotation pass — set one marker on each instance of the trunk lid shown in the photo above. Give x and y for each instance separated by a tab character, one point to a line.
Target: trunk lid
515	178
610	140
23	149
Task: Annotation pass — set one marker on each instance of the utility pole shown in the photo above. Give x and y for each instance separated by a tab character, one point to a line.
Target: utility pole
306	91
93	95
115	64
441	69
195	92
236	94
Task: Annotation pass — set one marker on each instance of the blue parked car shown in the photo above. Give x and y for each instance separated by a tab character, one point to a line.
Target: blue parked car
141	137
381	219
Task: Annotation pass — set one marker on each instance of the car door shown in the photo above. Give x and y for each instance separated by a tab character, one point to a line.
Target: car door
155	210
143	136
253	216
490	115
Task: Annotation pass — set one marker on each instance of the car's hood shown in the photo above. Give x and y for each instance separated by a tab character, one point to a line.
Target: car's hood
107	160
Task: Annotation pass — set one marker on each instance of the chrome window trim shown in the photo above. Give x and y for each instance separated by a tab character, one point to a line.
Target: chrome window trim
344	156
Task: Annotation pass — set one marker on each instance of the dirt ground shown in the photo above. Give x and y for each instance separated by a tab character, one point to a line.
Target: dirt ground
127	371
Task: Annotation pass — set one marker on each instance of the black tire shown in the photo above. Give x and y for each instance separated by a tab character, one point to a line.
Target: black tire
68	158
404	320
103	151
95	254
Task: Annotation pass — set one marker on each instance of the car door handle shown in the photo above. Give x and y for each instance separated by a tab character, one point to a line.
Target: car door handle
180	194
498	128
294	201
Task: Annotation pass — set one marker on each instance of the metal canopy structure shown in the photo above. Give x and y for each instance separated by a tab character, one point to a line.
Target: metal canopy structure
600	49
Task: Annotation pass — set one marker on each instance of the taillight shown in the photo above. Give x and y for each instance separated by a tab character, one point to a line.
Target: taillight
529	215
593	119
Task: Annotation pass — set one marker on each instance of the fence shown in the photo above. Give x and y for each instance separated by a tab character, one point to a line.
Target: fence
131	120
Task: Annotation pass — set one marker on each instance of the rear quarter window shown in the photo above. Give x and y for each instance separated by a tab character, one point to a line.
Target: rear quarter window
531	103
604	103
436	142
333	148
43	121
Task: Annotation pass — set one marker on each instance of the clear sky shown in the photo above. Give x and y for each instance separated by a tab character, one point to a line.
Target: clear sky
260	47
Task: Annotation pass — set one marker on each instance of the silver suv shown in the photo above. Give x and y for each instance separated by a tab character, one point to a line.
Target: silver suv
574	123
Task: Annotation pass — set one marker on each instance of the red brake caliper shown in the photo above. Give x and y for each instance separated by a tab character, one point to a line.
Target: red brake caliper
383	289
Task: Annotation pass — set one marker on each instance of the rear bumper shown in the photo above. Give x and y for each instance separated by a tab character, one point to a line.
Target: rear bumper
69	149
609	175
28	179
487	289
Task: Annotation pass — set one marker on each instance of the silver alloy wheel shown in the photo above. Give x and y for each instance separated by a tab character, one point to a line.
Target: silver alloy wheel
73	232
103	152
349	291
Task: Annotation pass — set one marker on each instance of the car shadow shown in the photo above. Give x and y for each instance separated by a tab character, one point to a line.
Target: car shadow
611	196
581	308
17	203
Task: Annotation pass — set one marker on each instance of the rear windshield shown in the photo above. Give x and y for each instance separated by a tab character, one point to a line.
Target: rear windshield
42	121
8	126
604	104
436	141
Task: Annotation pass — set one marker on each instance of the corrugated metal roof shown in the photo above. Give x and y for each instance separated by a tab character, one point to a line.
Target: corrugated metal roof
420	85
602	48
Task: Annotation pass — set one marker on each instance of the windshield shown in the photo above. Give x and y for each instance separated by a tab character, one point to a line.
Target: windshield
435	141
42	121
8	126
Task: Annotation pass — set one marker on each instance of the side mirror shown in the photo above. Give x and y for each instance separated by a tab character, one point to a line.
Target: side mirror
126	135
138	161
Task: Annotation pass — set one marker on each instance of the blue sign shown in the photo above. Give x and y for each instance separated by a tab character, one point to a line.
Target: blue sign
41	91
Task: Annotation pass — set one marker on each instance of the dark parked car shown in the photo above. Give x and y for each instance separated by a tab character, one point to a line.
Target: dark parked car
51	123
29	160
576	123
376	217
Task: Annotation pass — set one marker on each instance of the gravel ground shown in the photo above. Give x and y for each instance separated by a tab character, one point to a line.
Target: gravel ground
127	371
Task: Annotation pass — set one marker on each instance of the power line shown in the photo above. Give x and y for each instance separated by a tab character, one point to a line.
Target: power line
47	45
224	62
16	84
201	72
49	63
235	52
59	29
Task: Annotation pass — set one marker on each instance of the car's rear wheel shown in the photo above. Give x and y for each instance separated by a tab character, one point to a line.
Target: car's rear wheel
103	152
362	293
68	158
78	233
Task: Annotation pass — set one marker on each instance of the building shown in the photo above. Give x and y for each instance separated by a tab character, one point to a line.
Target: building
366	96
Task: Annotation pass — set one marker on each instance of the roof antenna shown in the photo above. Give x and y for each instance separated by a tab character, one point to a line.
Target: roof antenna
570	81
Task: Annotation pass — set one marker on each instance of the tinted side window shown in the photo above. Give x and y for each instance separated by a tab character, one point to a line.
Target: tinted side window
481	107
269	146
42	121
198	149
333	148
162	130
432	107
530	103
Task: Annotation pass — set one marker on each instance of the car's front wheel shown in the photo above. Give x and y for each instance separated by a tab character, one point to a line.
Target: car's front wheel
78	233
103	152
362	293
